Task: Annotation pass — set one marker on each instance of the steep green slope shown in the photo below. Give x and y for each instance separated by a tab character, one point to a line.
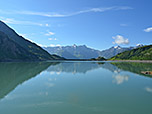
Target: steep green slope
142	53
9	50
15	47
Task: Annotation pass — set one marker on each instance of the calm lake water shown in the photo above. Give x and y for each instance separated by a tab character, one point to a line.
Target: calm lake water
75	88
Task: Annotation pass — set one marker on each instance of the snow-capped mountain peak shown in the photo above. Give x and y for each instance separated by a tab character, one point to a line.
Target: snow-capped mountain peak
117	47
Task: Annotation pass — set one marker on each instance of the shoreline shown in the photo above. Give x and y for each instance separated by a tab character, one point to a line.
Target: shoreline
137	61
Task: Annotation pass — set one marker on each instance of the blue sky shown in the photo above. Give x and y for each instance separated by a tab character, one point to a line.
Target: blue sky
96	23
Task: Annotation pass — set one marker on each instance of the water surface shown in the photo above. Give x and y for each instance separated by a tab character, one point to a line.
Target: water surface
75	88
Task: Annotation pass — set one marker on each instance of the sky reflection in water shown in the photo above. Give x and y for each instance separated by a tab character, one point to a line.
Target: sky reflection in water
75	87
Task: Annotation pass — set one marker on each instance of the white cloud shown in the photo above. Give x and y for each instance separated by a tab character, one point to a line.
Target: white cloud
148	29
52	39
53	45
120	40
50	34
47	25
55	14
14	21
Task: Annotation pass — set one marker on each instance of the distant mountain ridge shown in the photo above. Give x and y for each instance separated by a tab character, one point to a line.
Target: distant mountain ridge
108	53
84	52
15	48
74	52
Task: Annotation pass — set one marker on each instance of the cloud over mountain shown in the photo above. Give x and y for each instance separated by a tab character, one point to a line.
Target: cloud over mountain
120	40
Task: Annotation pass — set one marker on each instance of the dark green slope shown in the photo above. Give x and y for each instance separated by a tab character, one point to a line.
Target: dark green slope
31	49
142	53
9	50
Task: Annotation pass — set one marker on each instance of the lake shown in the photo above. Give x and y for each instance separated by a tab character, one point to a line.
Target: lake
75	88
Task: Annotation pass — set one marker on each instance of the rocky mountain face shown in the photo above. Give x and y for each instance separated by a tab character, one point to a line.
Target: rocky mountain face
84	52
74	52
15	48
108	53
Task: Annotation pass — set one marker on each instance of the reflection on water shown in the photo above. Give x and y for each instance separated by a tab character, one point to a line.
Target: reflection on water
75	87
134	67
111	67
119	79
148	89
13	74
74	67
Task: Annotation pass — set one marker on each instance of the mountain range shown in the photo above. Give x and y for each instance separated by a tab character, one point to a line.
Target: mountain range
74	52
84	52
16	48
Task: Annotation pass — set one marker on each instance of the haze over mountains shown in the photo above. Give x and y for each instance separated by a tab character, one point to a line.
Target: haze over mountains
15	48
84	52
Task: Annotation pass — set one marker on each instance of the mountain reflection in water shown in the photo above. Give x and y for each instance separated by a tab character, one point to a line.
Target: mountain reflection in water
75	87
14	74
